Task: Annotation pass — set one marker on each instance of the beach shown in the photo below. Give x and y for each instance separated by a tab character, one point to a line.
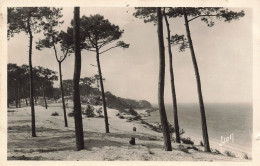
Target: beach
55	142
233	120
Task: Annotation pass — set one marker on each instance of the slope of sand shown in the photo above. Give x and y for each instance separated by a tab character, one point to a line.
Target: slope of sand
55	142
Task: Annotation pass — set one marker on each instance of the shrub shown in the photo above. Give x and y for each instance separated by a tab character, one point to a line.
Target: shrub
195	148
181	131
187	141
132	112
137	117
183	149
150	152
117	114
99	112
201	143
230	154
246	156
121	117
130	119
89	112
216	151
152	138
71	114
171	129
55	114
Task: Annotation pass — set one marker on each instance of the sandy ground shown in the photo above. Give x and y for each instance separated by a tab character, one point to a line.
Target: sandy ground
55	142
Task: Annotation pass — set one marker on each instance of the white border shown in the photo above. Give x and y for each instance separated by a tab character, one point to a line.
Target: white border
254	4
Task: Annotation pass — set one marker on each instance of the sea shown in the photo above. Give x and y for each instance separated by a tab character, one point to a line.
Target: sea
223	120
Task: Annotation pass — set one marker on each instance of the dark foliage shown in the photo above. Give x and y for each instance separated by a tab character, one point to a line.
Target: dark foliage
71	114
55	114
89	111
187	141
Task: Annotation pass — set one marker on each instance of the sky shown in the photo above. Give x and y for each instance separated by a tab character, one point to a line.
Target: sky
224	55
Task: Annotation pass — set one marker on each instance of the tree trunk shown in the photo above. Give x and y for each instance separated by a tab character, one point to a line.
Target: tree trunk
31	79
62	97
174	100
202	109
76	78
102	92
163	116
19	97
44	98
26	101
16	98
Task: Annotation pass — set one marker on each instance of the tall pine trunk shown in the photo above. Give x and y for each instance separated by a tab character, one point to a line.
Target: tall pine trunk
31	78
102	92
26	101
62	97
76	78
174	100
163	117
19	97
202	109
44	97
16	98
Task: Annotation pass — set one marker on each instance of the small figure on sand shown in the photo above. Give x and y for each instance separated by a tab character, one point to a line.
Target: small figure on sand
132	140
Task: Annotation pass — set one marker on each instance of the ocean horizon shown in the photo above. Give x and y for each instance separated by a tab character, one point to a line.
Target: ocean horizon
223	120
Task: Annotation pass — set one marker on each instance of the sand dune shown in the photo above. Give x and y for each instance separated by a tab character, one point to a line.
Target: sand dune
55	142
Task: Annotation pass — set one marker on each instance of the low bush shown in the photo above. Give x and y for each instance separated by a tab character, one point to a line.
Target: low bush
230	154
71	114
99	112
187	141
183	149
246	156
201	143
137	117
216	151
132	112
195	148
121	117
150	152
152	138
89	111
55	114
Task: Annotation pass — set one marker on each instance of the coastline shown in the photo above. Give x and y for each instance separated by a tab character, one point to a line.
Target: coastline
237	149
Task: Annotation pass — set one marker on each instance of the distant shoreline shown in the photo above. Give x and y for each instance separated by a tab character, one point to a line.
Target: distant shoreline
238	150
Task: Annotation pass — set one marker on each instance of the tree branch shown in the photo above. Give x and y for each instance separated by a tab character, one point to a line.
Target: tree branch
91	50
200	16
64	56
55	53
91	41
109	49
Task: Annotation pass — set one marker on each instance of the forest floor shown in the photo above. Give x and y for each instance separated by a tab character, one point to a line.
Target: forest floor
56	142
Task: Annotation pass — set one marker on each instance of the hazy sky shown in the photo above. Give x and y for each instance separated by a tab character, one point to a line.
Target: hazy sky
224	56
